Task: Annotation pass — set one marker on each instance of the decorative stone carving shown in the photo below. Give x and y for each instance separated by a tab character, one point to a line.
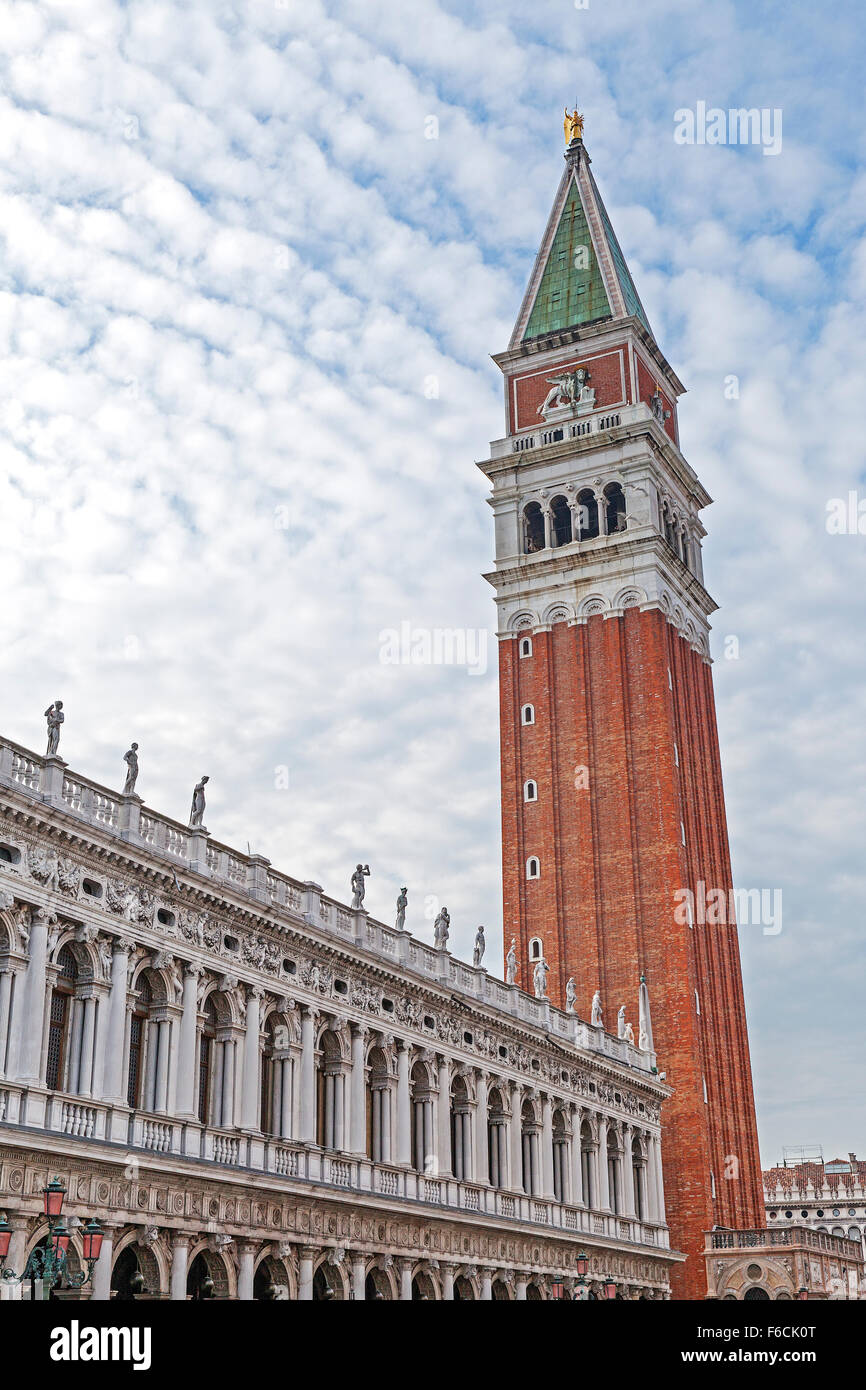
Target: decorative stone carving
479	947
402	904
359	888
131	760
54	716
197	808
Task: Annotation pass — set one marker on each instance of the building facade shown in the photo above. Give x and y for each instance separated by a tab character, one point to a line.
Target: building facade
828	1197
613	813
262	1092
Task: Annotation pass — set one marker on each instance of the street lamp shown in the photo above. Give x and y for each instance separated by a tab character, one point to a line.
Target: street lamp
556	1288
803	1294
609	1288
48	1262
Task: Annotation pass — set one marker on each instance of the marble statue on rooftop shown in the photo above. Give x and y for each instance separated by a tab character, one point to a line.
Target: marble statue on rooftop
539	978
597	1020
478	949
570	995
511	964
131	760
55	716
196	814
402	904
359	887
629	1034
440	929
620	1022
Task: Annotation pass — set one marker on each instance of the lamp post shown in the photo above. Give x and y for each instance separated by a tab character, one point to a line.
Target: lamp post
48	1263
609	1288
803	1294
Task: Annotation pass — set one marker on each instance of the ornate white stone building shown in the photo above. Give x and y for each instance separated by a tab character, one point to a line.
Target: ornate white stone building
264	1093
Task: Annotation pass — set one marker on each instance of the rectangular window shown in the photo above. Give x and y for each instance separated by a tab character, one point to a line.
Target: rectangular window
203	1078
56	1040
135	1032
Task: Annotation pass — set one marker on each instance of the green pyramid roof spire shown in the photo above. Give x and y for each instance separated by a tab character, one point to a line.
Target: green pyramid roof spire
580	274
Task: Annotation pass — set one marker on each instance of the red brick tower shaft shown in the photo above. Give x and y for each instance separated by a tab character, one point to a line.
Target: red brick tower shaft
612	799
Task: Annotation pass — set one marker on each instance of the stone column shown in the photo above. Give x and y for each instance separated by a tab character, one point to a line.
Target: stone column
73	1069
358	1097
88	1034
447	1281
114	1055
251	1092
520	1283
404	1113
576	1168
161	1094
442	1139
547	1148
179	1257
186	1070
246	1270
359	1278
602	1186
515	1156
6	978
486	1285
17	1256
656	1162
34	997
482	1162
101	1288
308	1081
100	1042
405	1267
629	1209
306	1257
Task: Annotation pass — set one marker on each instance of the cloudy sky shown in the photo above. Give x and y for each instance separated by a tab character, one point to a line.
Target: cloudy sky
255	257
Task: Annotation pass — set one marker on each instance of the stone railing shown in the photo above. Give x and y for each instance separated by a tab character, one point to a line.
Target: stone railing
46	780
309	1164
540	435
788	1236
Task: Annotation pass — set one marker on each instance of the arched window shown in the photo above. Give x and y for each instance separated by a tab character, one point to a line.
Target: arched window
423	1150
533	528
497	1139
137	1030
587	515
535	948
59	1022
530	791
560	519
560	1157
614	508
461	1131
206	1049
378	1108
331	1092
533	867
525	646
527	714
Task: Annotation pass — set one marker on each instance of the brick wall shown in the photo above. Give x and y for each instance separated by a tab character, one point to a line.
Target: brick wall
612	857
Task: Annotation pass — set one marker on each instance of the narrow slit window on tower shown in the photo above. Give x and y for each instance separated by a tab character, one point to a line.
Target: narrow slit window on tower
676	756
530	791
533	528
527	714
535	948
682	832
587	515
704	1084
533	867
525	646
560	518
614	507
697	1001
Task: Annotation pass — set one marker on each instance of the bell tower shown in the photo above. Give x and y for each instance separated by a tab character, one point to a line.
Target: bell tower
613	810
